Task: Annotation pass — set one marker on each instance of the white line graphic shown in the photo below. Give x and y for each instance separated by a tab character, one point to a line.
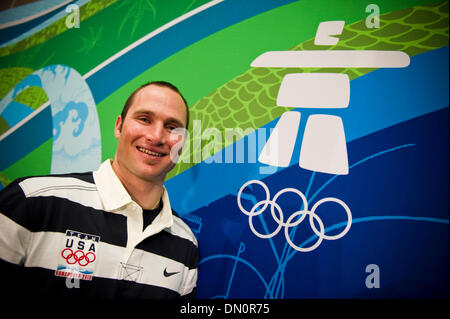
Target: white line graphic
151	35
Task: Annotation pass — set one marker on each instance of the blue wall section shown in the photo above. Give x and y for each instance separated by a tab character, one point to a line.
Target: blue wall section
405	233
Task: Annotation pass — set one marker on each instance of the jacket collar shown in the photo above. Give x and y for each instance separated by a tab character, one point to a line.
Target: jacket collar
112	193
115	197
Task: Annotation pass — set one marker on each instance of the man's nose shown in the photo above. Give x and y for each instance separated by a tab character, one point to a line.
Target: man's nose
156	133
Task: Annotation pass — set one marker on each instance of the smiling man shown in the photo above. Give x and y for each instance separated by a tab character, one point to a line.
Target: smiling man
145	138
110	233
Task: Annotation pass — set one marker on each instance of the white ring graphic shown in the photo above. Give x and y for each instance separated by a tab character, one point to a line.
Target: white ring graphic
266	189
296	191
347	210
280	224
320	233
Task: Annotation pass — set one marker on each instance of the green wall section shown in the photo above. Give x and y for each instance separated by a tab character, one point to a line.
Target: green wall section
37	162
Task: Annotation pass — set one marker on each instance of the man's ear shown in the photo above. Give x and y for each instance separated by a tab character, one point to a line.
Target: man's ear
118	126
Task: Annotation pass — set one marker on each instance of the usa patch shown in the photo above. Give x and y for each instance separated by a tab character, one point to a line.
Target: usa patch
78	255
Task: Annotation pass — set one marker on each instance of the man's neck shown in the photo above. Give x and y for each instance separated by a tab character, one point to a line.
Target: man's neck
146	193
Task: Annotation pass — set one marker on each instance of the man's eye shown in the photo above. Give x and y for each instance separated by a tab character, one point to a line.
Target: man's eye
144	119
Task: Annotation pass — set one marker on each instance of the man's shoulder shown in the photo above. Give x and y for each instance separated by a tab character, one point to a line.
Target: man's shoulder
31	184
84	176
182	229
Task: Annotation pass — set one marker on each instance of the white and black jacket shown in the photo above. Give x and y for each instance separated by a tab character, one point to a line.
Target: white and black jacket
81	235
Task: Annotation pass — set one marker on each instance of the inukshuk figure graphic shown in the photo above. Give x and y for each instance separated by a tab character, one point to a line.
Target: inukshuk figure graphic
323	148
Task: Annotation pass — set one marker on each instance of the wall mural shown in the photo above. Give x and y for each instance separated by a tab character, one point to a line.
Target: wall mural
316	164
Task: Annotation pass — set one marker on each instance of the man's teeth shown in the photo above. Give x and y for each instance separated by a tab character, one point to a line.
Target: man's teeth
146	151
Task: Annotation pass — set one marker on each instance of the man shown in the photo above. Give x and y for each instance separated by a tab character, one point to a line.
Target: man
109	233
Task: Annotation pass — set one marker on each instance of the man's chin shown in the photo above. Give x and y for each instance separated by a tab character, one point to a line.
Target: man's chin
152	175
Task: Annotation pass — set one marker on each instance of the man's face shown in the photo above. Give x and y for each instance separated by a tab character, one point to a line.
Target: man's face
144	136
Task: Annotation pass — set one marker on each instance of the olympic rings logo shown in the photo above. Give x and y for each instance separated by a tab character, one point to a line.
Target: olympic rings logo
290	221
78	257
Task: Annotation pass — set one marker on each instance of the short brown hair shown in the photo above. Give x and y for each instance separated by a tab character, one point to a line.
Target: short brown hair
157	83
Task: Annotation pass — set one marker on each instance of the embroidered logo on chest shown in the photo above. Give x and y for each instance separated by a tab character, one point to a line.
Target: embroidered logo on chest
78	255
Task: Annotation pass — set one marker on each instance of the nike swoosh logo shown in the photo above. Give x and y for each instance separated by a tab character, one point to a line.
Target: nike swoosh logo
168	274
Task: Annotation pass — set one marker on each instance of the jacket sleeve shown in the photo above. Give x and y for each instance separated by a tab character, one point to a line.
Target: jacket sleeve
14	235
14	241
191	276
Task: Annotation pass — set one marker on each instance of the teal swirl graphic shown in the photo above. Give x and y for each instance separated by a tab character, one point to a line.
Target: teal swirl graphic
76	130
